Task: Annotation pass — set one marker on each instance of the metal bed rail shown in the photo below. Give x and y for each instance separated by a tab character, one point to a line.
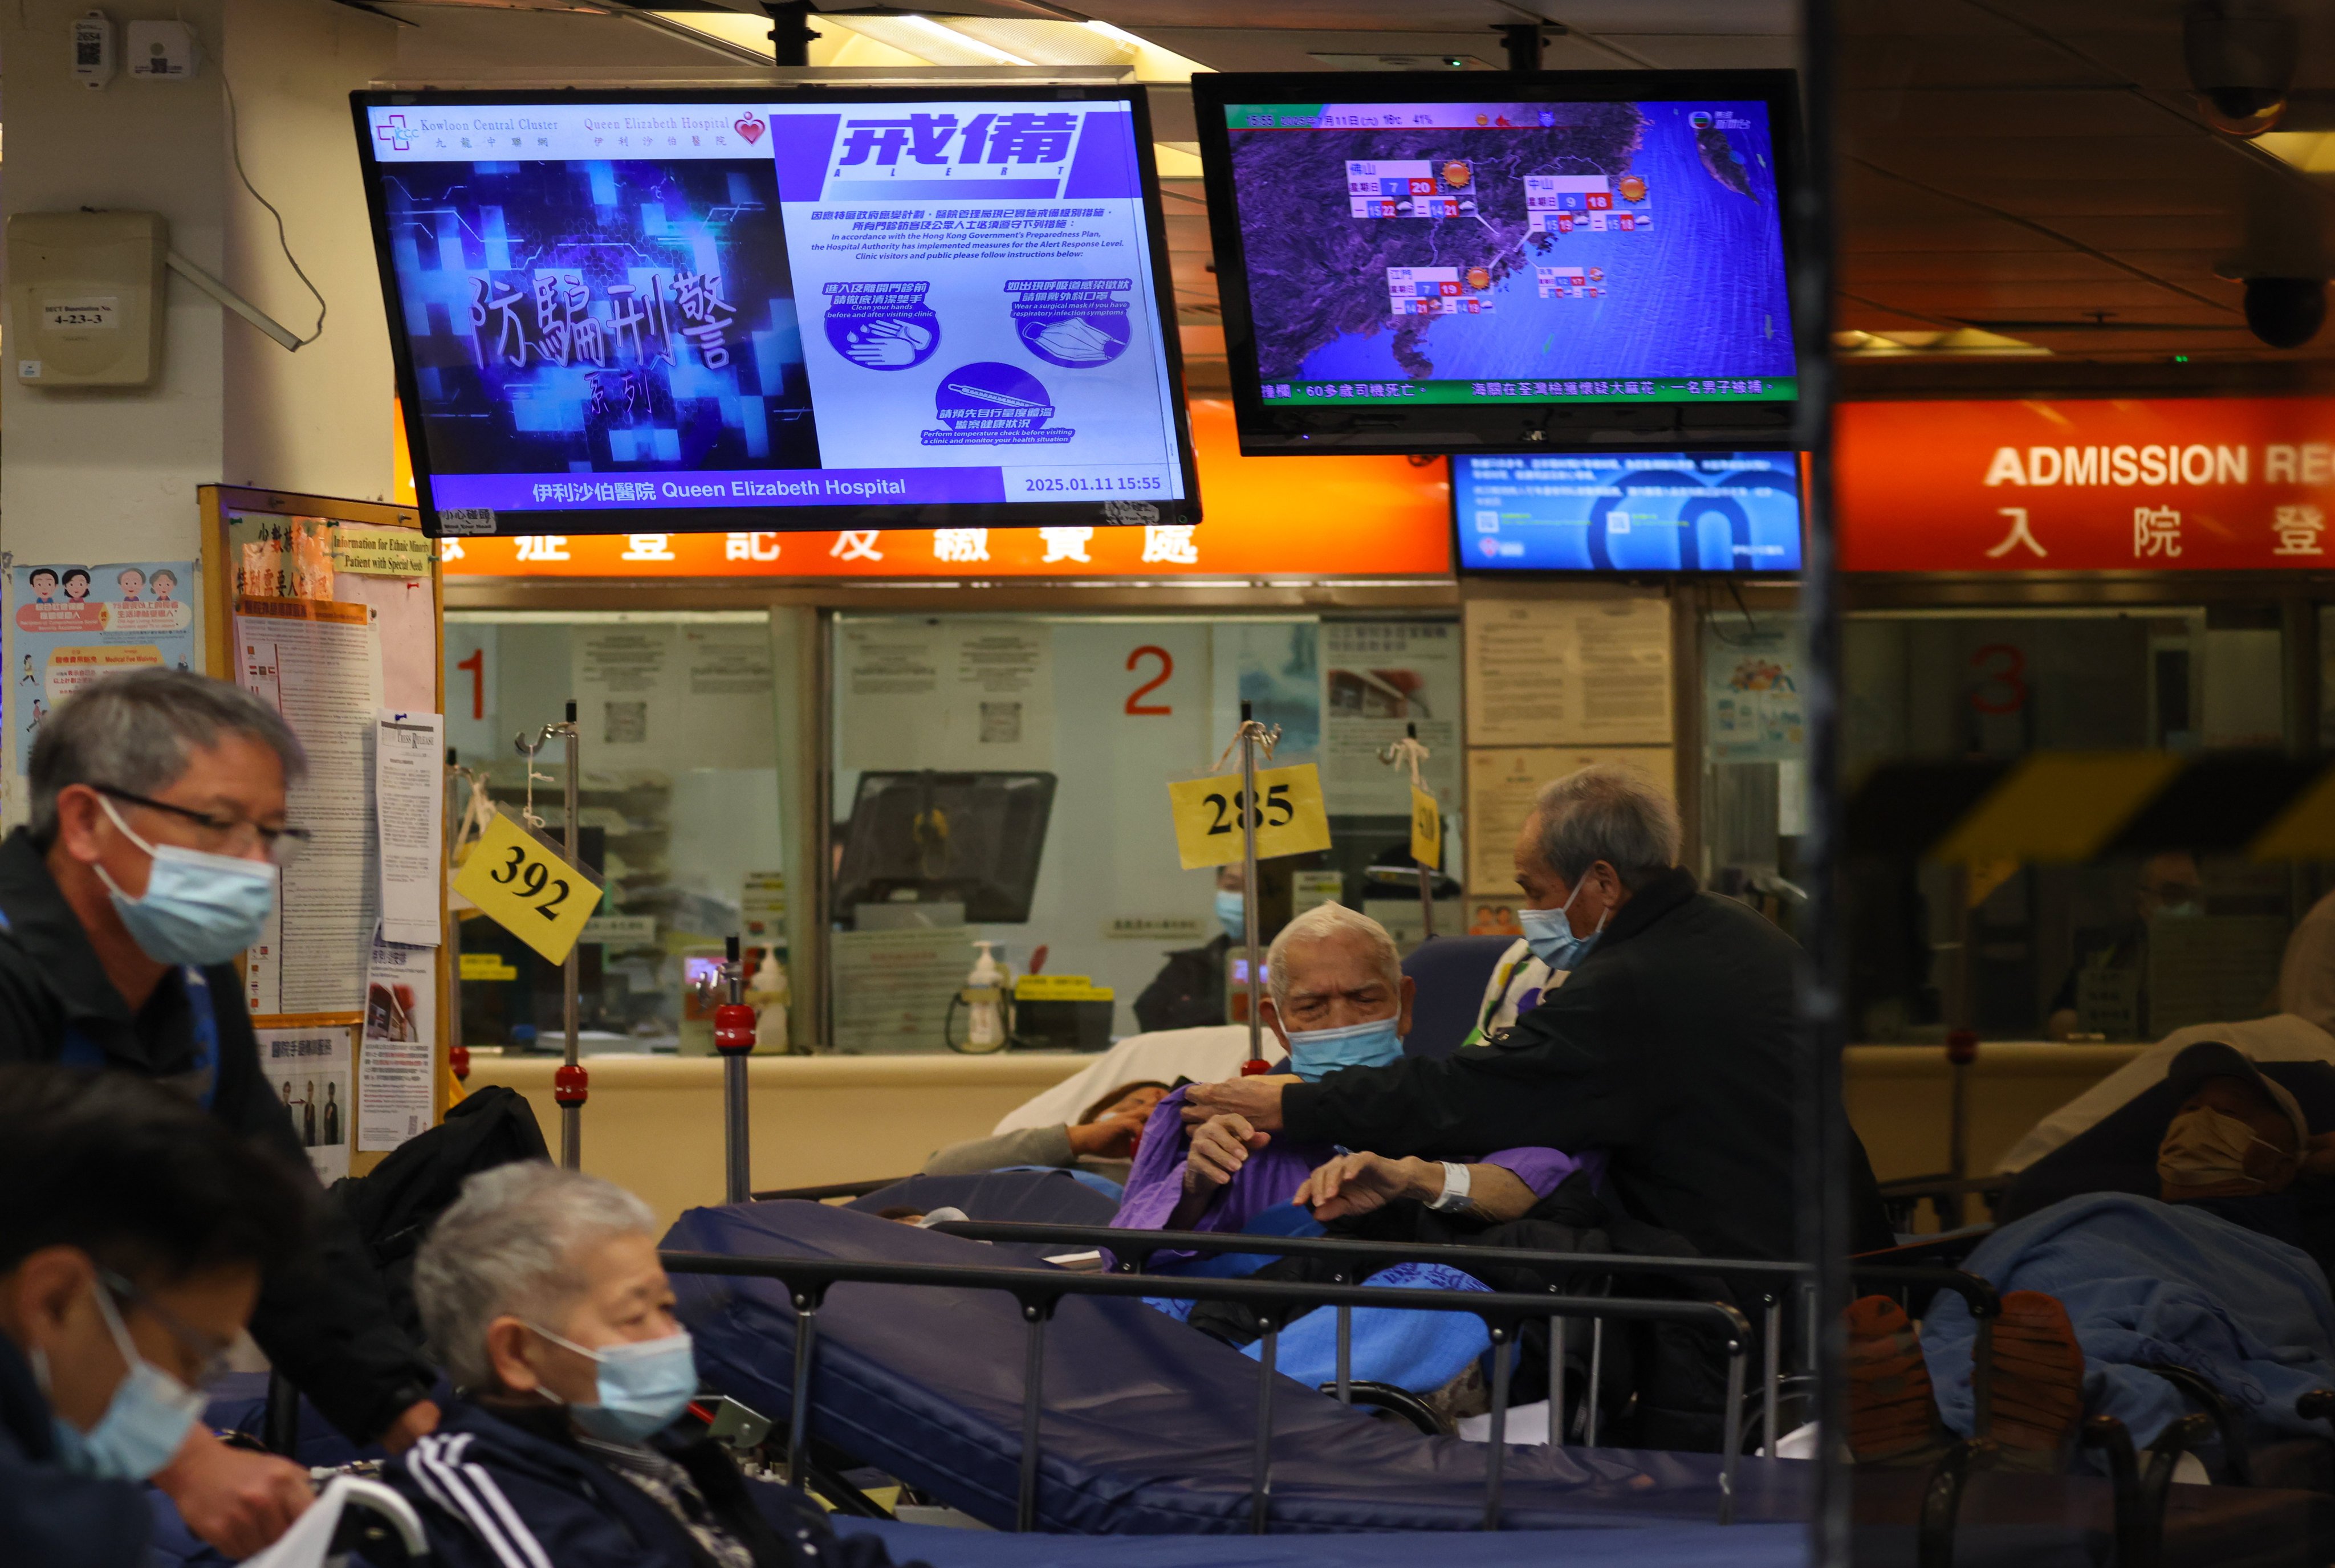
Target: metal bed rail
1133	1250
1039	1290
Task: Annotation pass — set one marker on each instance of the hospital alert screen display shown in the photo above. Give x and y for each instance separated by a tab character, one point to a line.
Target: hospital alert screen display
1509	255
1628	512
630	312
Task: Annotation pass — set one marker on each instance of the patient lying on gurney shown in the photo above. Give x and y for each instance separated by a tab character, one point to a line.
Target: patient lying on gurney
1339	999
1100	1142
570	1445
2213	1275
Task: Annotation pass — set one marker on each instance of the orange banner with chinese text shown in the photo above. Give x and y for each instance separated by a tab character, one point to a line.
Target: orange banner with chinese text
2193	484
1314	517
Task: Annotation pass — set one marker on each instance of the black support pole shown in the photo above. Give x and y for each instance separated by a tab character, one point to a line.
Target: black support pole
790	31
1522	41
1823	1143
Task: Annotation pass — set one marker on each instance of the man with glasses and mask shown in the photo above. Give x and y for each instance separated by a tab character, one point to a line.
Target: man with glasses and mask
158	829
133	1241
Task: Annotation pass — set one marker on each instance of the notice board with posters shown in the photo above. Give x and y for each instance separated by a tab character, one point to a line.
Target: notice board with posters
331	611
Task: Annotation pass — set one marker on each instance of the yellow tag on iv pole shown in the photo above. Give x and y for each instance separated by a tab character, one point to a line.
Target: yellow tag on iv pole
527	889
1426	829
1289	816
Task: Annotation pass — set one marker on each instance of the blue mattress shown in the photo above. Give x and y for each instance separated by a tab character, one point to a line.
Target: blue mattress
1656	1547
1148	1427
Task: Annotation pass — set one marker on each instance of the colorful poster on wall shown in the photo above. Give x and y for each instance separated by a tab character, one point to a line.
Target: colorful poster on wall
1751	709
74	624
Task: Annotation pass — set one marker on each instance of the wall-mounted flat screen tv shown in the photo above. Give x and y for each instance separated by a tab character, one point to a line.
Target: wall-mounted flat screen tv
1628	512
1485	262
614	312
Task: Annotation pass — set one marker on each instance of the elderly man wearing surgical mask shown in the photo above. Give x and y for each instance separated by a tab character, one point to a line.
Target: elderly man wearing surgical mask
1338	999
569	1443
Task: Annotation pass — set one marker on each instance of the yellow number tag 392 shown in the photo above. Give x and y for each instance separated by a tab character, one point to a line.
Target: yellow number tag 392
1289	816
527	889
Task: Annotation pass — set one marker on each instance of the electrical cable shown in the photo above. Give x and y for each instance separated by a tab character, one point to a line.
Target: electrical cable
235	150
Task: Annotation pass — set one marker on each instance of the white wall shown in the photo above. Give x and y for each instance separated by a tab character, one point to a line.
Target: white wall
110	475
318	420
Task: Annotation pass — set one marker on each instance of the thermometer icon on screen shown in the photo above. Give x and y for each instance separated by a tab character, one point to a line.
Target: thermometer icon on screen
982	394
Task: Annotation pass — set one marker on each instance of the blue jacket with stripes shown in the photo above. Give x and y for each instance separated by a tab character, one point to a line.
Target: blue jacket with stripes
511	1488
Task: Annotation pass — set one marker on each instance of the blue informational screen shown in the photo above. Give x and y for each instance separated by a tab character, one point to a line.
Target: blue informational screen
697	314
1629	512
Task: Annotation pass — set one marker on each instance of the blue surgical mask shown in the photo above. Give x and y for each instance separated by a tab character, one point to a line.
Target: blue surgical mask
1230	914
1549	933
1315	1052
197	908
145	1423
644	1385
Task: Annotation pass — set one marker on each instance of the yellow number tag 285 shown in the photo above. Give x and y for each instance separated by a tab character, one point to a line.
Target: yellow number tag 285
527	889
1426	829
1289	816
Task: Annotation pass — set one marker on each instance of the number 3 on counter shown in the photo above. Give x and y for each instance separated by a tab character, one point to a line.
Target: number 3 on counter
1288	815
525	887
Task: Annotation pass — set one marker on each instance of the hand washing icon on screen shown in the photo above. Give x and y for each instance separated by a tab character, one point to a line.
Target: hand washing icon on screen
887	344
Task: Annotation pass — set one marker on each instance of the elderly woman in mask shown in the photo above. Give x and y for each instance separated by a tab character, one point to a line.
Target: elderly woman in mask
569	1443
1338	998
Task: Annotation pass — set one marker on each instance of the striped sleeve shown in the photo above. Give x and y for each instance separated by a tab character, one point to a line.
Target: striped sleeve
467	1493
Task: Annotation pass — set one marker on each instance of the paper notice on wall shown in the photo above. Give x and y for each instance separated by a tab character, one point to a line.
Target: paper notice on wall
1502	786
1379	680
70	624
318	663
649	694
408	796
395	1066
891	988
1568	671
308	1069
962	694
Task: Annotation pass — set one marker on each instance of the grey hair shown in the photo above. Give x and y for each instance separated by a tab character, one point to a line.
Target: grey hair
509	1247
134	731
1609	813
1326	923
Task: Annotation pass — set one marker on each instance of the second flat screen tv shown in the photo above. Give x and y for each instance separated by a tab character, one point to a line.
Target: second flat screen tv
778	309
1481	262
1736	512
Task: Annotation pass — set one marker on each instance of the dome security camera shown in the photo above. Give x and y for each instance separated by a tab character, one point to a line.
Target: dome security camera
2241	57
2285	312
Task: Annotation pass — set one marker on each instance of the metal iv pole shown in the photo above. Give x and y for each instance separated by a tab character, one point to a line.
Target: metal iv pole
571	1086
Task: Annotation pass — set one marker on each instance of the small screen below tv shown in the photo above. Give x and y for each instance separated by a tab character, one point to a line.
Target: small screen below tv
1482	261
779	309
1629	512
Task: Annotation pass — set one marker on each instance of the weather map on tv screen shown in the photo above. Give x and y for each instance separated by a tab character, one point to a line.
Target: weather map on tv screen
1608	252
1629	512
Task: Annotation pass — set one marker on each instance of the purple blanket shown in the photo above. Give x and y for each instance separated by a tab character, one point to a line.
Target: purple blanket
1270	1177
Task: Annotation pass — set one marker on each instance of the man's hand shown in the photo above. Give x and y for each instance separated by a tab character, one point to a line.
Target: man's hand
1219	1148
1111	1138
420	1419
1356	1184
1257	1100
236	1500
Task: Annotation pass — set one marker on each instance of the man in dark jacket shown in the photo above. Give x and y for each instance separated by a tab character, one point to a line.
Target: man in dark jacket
570	1446
1189	991
1672	1045
158	824
133	1239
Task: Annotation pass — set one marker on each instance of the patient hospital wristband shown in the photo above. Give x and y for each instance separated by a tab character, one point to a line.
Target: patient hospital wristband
1455	1188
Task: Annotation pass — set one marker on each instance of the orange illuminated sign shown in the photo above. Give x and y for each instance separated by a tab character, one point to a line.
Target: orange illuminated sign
1310	516
2186	484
